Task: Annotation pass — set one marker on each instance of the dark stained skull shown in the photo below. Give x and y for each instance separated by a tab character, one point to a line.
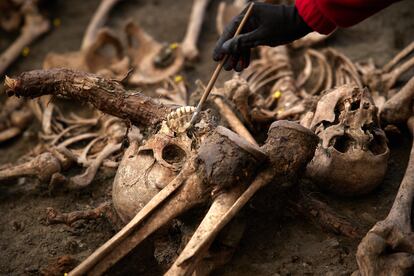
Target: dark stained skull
351	158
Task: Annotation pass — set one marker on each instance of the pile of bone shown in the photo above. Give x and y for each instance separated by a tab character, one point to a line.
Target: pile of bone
325	122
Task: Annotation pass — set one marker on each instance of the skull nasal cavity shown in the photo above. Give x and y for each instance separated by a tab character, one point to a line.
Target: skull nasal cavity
355	105
173	154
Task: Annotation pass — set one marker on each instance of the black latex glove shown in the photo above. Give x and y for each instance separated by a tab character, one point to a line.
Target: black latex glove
267	24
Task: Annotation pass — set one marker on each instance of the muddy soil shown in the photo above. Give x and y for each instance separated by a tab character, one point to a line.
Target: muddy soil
276	241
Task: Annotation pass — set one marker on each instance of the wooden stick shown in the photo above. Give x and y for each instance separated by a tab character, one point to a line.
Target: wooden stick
217	71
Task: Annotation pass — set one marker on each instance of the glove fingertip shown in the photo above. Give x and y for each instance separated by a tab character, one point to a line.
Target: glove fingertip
217	56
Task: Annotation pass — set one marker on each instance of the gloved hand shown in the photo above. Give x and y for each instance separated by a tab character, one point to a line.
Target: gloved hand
267	24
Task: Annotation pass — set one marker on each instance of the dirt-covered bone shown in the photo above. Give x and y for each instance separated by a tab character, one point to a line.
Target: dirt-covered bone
106	95
202	176
15	116
45	167
279	146
34	26
352	155
170	200
388	248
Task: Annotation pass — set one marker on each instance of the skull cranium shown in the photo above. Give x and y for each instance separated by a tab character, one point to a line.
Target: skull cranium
352	155
145	170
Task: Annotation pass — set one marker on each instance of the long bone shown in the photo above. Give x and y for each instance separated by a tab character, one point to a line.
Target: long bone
398	108
98	21
397	66
189	44
44	167
34	26
388	248
226	111
226	12
382	80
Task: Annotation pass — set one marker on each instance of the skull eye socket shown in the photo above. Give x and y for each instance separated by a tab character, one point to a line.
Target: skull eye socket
378	145
342	143
173	154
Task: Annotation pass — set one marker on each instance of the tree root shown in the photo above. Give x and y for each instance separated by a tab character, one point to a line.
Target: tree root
109	96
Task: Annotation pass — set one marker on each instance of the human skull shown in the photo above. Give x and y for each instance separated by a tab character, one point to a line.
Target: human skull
145	170
351	158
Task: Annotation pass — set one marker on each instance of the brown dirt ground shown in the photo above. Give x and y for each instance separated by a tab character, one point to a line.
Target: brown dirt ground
275	242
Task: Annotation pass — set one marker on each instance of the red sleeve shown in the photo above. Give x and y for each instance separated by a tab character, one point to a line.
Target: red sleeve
324	16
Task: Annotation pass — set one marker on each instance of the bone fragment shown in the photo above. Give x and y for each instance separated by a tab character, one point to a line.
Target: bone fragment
55	217
97	22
